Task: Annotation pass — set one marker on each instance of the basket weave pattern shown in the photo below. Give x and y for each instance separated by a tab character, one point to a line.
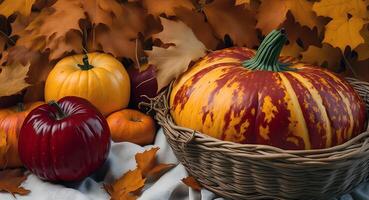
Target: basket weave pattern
249	171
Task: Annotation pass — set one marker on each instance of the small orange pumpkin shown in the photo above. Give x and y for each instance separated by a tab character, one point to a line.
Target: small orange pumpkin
11	120
129	125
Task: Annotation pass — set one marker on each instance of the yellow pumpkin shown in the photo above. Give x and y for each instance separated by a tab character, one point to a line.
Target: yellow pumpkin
97	77
11	120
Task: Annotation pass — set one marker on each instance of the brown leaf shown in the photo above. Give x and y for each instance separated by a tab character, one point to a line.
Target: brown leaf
325	55
52	28
103	11
236	21
120	38
12	79
146	160
159	170
174	60
239	2
10	181
157	7
192	183
8	7
130	182
197	22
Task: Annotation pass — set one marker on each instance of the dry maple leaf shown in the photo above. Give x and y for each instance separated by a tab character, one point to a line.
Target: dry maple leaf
192	183
12	79
50	30
343	32
157	7
325	55
146	160
235	21
10	181
174	60
197	22
103	11
158	170
8	7
120	38
131	182
340	8
272	13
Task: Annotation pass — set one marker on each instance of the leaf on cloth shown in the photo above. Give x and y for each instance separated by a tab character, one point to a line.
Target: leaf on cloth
8	7
192	183
272	13
12	79
340	8
325	55
146	160
343	32
126	186
174	60
157	7
236	21
10	181
159	170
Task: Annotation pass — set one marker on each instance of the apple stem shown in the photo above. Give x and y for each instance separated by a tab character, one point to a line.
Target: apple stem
60	114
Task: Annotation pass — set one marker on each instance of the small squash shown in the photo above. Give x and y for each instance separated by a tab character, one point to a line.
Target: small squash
97	77
11	120
246	97
129	125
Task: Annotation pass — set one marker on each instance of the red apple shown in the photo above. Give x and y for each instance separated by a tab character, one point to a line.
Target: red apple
143	83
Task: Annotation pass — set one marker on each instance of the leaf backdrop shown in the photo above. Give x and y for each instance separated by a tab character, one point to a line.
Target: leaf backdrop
35	34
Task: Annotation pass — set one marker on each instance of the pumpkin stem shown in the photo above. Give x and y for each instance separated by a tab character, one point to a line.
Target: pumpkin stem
86	65
20	107
267	55
60	114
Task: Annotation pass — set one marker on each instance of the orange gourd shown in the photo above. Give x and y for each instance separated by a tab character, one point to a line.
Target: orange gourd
11	120
129	125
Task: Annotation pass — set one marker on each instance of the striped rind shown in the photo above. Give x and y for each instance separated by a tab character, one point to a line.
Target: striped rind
309	108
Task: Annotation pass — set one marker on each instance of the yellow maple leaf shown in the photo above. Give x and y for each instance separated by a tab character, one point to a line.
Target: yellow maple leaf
292	49
340	8
12	79
323	56
8	7
342	32
174	60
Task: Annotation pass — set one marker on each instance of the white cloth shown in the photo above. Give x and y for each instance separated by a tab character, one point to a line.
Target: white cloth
122	159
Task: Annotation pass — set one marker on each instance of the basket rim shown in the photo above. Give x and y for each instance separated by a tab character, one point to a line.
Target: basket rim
361	139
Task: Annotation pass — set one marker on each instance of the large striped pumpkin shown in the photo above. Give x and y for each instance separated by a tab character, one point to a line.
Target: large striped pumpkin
246	97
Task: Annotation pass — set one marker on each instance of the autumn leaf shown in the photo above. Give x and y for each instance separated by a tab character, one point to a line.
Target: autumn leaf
197	22
146	160
340	8
272	13
343	32
325	55
192	183
157	7
292	49
174	60
235	21
125	187
158	170
103	11
8	7
12	79
10	181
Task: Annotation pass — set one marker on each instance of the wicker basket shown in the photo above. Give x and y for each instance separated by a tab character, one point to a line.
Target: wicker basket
248	171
